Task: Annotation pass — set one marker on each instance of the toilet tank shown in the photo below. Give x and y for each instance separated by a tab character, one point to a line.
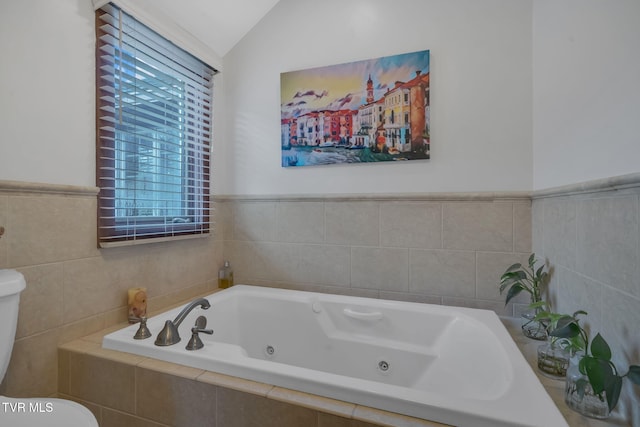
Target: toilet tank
11	284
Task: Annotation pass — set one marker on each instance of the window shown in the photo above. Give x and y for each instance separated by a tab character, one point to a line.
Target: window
154	123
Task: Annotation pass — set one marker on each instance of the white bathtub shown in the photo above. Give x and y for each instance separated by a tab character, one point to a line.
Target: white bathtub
453	365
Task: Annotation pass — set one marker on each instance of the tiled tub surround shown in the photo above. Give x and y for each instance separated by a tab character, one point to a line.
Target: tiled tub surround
589	234
438	248
74	288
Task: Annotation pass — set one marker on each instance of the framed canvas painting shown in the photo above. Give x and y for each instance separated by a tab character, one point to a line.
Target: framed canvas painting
375	110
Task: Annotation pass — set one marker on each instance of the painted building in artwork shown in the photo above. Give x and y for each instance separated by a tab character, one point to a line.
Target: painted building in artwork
397	122
405	123
320	128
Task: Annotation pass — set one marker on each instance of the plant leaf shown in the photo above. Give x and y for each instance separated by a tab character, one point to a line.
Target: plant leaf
599	372
514	291
613	388
506	284
532	260
514	275
542	315
509	279
600	349
566	327
515	266
539	304
634	374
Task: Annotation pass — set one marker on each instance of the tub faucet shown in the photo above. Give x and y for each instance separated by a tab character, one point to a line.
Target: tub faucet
169	334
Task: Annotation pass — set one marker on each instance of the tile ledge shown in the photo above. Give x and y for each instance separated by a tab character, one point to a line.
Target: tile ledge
613	183
44	188
444	196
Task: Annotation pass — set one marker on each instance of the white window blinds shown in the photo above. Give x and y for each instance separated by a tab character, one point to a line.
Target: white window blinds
154	124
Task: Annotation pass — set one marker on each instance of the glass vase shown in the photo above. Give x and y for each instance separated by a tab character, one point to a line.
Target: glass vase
532	328
553	360
579	394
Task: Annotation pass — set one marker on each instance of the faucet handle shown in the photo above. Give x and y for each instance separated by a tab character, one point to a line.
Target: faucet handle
195	343
143	332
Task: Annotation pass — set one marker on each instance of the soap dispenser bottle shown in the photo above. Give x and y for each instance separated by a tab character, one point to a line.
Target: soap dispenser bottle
225	276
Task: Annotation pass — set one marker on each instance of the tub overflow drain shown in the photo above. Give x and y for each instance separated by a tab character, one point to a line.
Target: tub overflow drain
383	366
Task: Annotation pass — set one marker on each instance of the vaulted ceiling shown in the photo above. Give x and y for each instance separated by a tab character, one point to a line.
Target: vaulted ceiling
220	24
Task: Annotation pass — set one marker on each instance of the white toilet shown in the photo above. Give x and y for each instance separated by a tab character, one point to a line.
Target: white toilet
32	412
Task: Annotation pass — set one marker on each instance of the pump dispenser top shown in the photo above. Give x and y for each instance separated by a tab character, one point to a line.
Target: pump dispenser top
225	276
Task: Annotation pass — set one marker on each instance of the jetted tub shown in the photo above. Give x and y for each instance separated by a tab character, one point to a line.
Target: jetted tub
454	365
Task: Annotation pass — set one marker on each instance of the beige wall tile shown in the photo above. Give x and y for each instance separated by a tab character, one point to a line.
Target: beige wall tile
490	266
4	216
560	231
324	264
607	243
619	328
101	381
390	419
537	227
41	303
300	222
312	401
380	268
442	272
352	223
175	400
87	286
235	383
33	369
411	225
478	226
236	409
496	306
111	418
263	261
522	227
328	420
402	296
63	371
254	221
51	229
223	220
577	292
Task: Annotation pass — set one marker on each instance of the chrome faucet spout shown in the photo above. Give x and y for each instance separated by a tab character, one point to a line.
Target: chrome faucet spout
202	302
169	334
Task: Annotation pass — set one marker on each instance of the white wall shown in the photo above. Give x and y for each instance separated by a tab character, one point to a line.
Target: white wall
586	90
47	87
480	93
47	103
584	102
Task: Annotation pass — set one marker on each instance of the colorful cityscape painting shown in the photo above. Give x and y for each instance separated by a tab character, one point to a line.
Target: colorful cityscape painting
375	110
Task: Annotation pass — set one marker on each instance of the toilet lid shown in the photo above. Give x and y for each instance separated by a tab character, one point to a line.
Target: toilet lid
44	412
11	282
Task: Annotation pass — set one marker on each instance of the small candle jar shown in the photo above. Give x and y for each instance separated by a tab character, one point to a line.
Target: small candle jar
137	304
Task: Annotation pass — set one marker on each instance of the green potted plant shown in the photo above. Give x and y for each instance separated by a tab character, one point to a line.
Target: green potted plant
518	278
593	383
555	354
